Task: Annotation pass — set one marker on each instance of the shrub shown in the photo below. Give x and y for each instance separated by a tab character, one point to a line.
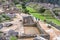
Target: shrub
0	19
56	14
13	38
24	8
42	10
23	5
26	11
6	17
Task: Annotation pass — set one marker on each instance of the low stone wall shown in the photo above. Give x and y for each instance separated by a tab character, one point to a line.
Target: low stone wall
40	29
36	24
56	26
32	24
46	36
43	33
28	36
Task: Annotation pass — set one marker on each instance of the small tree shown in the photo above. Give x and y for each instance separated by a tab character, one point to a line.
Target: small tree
42	10
23	5
26	11
56	13
24	8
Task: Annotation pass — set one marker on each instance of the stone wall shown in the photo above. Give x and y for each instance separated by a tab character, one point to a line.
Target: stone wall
43	33
56	26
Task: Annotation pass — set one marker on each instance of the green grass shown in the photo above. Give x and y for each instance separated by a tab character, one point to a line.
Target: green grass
13	38
18	6
28	8
31	10
48	14
55	21
37	15
40	15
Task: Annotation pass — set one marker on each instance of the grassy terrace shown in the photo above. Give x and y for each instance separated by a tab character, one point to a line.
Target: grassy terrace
57	9
48	17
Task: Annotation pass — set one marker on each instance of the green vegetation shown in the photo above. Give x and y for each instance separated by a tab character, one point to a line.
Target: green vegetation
24	8
31	10
19	6
47	16
42	10
4	17
56	9
24	0
37	15
57	22
43	16
16	2
0	19
13	38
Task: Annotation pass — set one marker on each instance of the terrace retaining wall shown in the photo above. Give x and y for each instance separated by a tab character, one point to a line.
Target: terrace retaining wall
43	33
56	26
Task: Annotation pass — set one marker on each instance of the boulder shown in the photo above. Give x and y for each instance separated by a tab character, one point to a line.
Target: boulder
1	26
7	24
12	32
11	15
